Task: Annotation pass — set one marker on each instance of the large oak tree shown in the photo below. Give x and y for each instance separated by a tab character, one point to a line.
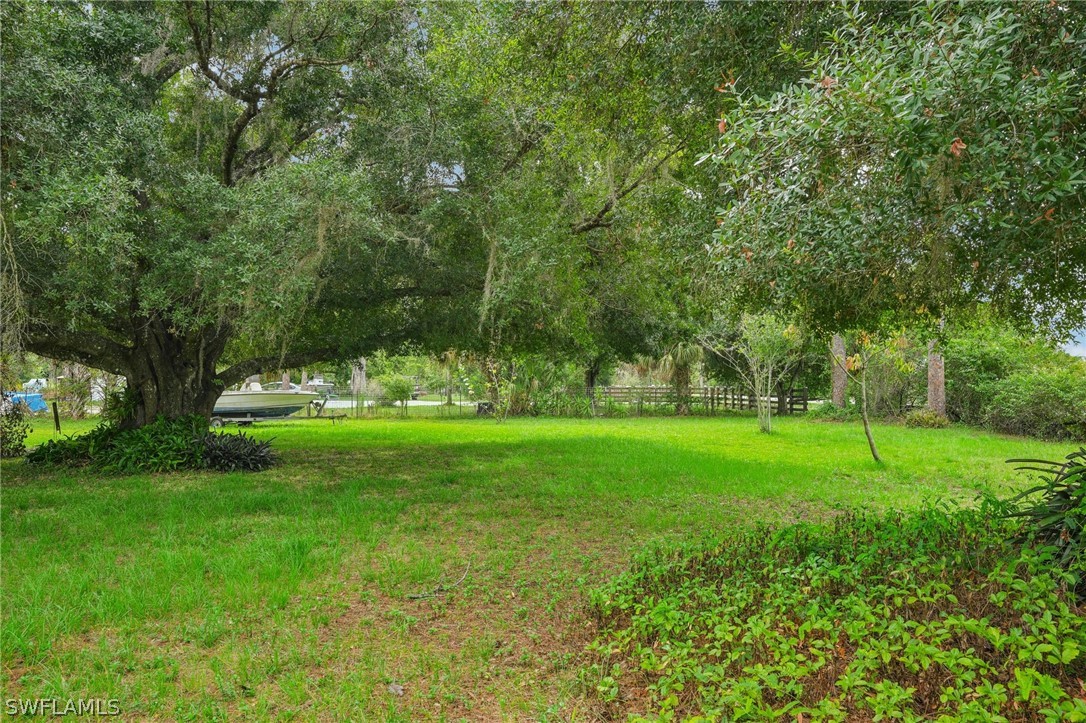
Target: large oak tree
182	205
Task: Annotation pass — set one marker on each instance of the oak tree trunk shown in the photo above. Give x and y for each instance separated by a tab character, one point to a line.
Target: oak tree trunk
591	375
172	375
358	376
782	397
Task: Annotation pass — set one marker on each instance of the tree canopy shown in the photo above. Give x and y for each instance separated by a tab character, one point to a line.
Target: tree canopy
198	191
180	201
921	164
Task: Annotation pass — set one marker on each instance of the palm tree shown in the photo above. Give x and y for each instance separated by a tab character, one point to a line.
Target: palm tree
677	366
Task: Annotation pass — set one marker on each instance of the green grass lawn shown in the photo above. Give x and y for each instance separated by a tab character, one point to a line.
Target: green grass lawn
288	594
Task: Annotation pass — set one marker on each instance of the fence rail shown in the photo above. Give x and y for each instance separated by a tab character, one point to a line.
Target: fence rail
625	400
712	398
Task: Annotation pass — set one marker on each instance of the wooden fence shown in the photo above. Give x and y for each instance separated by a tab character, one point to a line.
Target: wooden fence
709	398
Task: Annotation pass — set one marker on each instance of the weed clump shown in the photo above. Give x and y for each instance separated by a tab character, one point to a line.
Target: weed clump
926	419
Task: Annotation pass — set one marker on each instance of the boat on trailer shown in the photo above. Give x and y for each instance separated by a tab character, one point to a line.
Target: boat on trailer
254	403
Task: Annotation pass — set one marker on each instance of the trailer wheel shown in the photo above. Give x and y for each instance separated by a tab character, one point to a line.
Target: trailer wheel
217	422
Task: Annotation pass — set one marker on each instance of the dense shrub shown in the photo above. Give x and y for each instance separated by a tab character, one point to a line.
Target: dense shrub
926	418
13	427
1049	403
163	446
158	447
562	402
927	615
1010	383
399	389
981	354
828	412
118	406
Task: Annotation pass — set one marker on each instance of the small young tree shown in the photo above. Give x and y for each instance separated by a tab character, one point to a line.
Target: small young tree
399	389
73	391
762	351
870	348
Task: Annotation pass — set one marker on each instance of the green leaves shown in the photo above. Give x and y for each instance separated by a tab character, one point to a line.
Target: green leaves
924	163
161	446
1056	510
902	616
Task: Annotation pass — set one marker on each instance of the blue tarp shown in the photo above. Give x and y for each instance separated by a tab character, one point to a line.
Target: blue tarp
34	402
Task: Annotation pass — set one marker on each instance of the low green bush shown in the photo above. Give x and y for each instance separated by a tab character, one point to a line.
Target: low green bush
927	419
560	403
981	353
829	412
166	445
399	389
13	427
225	452
1048	402
928	615
1010	383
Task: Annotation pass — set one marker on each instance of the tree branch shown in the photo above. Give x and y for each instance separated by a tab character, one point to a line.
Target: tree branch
599	219
230	150
89	349
234	374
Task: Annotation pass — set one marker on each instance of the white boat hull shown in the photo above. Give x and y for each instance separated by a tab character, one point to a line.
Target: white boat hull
263	404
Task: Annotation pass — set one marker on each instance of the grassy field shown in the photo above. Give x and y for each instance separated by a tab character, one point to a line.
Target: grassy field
304	592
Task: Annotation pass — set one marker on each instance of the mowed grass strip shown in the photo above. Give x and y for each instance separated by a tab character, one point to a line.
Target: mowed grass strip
295	593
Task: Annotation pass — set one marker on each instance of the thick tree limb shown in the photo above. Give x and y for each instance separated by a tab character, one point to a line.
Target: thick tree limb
256	160
234	374
89	349
599	219
233	138
263	73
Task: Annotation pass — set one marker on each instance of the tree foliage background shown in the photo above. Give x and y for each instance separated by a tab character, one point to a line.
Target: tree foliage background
198	191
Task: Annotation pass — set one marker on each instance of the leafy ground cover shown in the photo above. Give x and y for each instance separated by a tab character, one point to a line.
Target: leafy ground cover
307	591
908	616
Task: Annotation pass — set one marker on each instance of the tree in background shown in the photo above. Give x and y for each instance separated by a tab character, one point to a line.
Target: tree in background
764	348
677	366
73	390
936	379
592	206
399	389
924	163
998	378
870	350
